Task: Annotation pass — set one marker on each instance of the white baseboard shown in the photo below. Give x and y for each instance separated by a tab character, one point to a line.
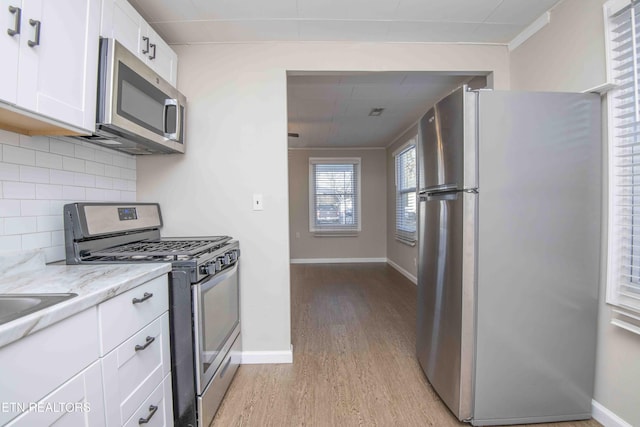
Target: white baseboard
334	260
404	272
267	357
606	417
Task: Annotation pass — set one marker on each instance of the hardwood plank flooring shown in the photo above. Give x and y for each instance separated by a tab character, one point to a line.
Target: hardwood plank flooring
353	333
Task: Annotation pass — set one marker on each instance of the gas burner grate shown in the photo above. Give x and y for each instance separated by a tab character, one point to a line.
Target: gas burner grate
163	248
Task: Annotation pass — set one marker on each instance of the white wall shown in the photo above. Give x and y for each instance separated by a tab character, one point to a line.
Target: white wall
39	175
237	146
371	241
568	55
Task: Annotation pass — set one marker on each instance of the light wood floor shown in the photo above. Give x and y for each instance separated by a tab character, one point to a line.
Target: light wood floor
353	333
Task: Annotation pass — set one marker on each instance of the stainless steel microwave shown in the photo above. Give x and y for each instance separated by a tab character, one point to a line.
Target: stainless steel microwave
138	112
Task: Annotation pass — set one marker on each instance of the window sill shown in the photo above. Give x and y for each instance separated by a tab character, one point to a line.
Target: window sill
335	233
408	242
623	318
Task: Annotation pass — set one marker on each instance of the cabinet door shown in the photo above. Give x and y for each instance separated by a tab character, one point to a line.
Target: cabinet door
78	402
58	60
9	46
161	58
122	22
32	367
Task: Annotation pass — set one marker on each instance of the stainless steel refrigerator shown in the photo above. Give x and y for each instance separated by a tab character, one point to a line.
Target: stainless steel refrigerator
509	254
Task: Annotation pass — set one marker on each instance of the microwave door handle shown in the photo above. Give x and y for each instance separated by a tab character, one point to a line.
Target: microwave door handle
167	103
179	132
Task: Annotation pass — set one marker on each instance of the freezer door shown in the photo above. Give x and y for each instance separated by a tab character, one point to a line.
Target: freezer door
447	154
446	277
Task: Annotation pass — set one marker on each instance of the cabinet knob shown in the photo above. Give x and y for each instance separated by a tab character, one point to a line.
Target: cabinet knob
16	12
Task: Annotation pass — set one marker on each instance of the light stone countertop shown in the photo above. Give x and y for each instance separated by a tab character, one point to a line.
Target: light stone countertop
26	273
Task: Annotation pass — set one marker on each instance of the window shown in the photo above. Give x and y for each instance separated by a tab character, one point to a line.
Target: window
334	195
405	160
623	41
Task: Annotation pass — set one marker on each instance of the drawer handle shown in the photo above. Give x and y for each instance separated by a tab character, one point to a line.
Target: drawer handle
153	55
153	410
145	297
147	343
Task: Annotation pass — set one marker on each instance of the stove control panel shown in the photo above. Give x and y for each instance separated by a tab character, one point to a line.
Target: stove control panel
221	262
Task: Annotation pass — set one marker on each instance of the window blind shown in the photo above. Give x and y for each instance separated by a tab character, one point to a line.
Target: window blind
406	213
334	195
623	45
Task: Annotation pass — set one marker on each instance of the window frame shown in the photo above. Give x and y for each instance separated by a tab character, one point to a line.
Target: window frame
615	296
332	229
402	235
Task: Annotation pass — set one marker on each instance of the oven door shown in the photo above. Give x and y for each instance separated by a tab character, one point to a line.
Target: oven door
216	317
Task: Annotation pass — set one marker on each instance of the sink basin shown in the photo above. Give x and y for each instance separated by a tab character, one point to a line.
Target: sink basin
14	306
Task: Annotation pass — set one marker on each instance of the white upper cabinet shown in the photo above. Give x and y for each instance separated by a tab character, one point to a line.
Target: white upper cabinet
123	23
161	57
50	57
10	21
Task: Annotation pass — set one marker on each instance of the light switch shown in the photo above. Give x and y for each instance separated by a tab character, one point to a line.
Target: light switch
257	202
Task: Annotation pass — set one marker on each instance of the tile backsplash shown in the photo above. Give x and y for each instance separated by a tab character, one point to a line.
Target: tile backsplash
38	175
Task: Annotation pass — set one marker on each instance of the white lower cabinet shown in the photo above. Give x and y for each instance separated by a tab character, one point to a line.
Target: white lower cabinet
135	355
35	366
157	409
64	375
76	403
134	369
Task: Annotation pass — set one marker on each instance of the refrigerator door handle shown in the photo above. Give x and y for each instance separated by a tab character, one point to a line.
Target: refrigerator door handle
439	188
445	195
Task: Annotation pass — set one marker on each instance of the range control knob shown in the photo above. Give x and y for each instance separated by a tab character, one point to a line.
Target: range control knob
207	268
220	263
233	255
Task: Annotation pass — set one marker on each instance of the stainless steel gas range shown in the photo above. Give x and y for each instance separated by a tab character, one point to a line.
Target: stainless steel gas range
204	311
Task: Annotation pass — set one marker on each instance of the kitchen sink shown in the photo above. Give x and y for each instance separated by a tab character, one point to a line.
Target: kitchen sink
14	306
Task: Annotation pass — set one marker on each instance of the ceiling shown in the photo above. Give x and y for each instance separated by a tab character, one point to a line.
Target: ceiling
332	109
473	21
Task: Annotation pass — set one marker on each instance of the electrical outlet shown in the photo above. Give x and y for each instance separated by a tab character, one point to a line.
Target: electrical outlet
258	205
297	234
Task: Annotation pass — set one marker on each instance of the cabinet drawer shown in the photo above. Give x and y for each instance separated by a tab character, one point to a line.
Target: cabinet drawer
36	365
157	408
78	402
133	370
126	314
